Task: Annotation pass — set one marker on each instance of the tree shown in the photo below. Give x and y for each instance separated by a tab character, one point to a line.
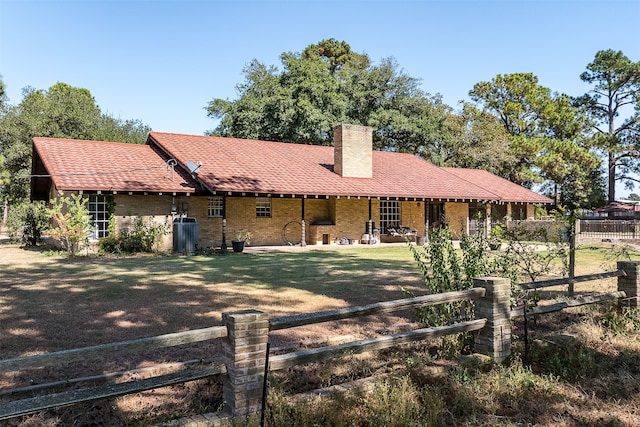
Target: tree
546	133
616	90
328	84
477	141
62	111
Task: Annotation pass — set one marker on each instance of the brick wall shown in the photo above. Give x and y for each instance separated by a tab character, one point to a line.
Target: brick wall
456	215
348	216
413	216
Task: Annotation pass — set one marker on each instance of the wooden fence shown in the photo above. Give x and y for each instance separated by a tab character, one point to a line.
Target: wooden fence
244	339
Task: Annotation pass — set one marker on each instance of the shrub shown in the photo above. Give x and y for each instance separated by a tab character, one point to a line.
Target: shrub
27	221
141	237
72	222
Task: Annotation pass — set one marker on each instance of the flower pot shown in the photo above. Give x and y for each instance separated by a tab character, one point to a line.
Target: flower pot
238	246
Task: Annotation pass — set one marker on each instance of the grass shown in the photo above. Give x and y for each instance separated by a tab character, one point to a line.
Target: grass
49	302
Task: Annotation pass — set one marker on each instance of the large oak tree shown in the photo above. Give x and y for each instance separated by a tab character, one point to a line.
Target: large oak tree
328	84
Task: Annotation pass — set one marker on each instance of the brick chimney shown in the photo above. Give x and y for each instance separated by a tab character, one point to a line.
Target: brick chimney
352	151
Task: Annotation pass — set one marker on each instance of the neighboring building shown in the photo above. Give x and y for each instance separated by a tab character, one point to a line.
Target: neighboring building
280	192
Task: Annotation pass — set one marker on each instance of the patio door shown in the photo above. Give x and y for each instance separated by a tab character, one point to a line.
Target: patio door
435	215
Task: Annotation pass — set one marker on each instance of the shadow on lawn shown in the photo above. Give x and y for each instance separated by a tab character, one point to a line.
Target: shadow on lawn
53	303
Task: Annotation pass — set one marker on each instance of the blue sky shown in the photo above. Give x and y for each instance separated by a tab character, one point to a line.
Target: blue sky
162	61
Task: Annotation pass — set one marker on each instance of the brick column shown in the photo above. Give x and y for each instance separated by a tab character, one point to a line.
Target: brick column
244	353
630	283
494	340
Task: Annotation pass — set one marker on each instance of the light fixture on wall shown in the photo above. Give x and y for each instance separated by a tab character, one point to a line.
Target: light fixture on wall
174	207
185	206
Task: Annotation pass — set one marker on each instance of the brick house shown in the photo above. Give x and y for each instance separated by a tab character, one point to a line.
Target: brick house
283	193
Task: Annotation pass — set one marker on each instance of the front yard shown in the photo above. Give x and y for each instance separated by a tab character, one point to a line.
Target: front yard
51	303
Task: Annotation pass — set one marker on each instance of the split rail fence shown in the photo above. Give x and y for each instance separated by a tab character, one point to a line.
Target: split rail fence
245	334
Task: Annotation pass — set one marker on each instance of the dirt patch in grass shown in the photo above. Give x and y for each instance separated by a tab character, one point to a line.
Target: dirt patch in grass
50	303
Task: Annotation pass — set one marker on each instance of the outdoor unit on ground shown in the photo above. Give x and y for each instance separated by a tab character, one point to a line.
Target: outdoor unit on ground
185	235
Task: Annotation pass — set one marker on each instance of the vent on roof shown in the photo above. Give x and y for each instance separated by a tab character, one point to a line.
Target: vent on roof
352	151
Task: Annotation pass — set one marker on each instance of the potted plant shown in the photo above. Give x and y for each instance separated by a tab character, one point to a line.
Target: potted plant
240	239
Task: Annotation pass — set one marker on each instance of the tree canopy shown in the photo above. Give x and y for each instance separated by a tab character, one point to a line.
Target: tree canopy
328	84
546	133
62	111
616	92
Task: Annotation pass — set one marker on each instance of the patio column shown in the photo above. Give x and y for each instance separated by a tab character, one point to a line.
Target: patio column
487	220
223	246
303	231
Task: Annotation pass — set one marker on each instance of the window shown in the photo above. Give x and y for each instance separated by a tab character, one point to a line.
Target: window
389	215
263	207
99	211
519	212
215	207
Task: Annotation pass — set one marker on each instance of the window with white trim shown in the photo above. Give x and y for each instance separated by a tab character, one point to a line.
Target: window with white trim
389	215
215	207
99	212
263	207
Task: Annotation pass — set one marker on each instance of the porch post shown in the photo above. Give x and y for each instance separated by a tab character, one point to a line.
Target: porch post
303	231
223	246
370	223
487	220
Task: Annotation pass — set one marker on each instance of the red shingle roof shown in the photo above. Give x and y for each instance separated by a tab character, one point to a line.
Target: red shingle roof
108	166
264	167
239	165
505	190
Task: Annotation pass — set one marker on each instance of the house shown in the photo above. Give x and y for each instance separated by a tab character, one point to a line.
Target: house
283	193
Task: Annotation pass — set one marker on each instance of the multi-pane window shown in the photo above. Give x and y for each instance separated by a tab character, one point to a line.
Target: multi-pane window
215	207
263	207
389	215
99	211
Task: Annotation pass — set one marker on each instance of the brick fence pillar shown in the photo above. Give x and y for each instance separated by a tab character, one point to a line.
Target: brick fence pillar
244	352
630	283
494	340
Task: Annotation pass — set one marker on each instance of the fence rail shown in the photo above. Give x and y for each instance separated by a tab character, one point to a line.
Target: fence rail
96	352
245	335
609	229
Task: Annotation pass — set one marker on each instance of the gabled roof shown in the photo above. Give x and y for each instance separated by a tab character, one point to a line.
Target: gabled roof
506	191
250	167
107	166
266	167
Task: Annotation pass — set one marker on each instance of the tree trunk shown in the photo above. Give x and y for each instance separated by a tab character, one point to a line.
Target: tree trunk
612	177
